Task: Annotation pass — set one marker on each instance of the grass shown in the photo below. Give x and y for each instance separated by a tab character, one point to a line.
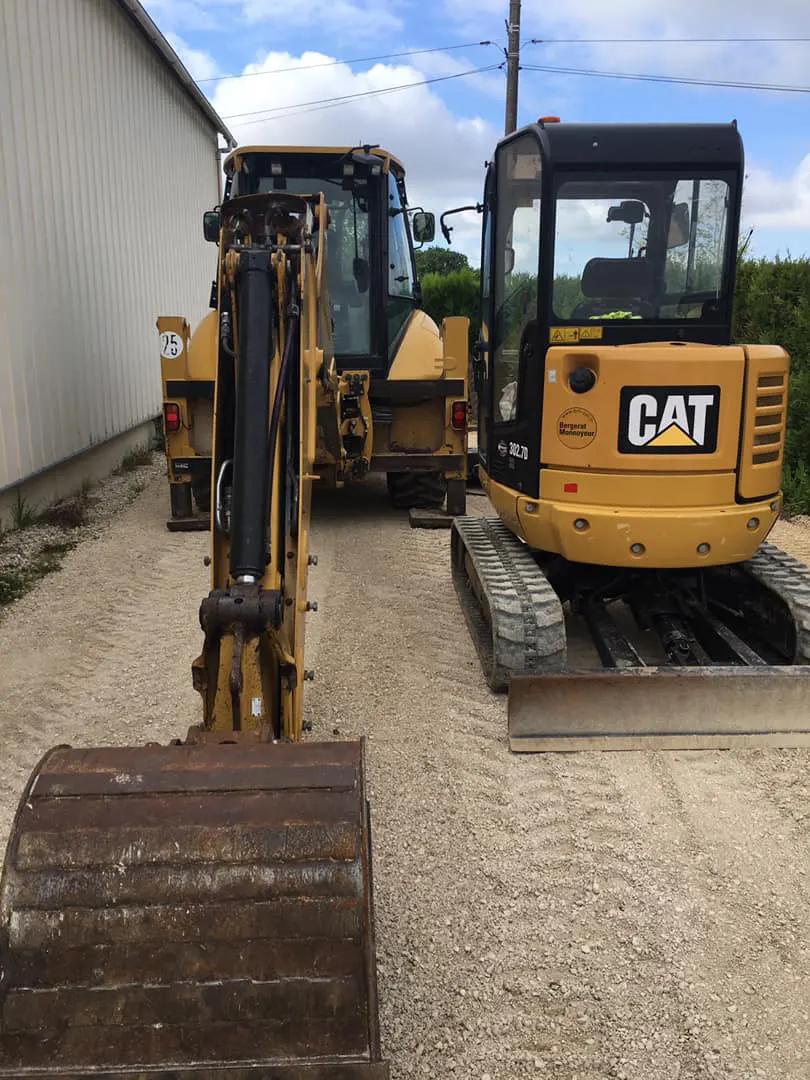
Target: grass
22	513
141	455
69	513
15	583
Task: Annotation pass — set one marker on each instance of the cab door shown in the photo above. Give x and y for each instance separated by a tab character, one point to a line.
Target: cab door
481	362
510	400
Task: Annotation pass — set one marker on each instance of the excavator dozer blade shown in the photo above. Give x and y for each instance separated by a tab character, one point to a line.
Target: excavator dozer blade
656	708
191	912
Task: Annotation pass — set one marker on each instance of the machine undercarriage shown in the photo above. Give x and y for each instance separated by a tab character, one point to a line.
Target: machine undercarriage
597	657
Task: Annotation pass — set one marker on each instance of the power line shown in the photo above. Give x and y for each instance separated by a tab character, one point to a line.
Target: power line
678	79
354	60
326	103
667	41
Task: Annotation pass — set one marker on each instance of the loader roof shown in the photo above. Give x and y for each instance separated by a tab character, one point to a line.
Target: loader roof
390	162
716	146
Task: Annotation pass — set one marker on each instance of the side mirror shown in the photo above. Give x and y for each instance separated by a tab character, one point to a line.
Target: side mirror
508	260
424	226
678	226
211	226
630	212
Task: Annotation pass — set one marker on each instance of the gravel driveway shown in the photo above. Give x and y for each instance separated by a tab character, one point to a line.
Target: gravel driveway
588	916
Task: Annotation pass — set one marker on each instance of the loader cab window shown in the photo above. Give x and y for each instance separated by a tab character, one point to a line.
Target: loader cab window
350	255
400	264
517	257
640	249
348	267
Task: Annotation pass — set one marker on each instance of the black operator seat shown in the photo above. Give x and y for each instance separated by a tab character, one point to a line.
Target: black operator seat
611	284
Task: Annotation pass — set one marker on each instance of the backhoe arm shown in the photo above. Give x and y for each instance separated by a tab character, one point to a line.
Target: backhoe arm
205	908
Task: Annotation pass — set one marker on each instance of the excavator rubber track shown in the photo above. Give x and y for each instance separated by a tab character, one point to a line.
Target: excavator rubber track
789	579
515	617
191	912
518	625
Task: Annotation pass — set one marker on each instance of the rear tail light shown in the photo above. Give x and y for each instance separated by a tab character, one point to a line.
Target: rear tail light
459	415
171	416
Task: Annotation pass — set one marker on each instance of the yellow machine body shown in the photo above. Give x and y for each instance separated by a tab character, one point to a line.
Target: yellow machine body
626	595
407	413
602	507
188	369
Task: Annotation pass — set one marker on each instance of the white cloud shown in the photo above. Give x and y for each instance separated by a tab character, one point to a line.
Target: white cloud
443	154
200	64
773	203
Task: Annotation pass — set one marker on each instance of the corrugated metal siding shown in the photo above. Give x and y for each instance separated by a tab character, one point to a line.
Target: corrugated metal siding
106	166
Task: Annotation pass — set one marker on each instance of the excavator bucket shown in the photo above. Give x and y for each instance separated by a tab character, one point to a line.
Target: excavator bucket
191	912
657	708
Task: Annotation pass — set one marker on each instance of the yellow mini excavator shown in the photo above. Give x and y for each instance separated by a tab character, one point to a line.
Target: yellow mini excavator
625	594
203	910
408	415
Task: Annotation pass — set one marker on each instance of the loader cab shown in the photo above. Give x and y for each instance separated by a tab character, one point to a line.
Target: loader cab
597	235
371	269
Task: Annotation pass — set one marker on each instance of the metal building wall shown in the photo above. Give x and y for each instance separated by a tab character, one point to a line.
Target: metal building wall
106	166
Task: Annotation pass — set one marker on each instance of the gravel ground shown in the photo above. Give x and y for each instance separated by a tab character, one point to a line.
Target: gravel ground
573	917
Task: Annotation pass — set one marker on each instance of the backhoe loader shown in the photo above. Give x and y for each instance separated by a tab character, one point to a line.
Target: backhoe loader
204	909
409	415
625	594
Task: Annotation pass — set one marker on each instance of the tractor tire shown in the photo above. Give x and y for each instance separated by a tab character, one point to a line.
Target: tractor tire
421	490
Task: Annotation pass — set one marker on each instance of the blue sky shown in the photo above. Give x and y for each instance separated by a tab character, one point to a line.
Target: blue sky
443	132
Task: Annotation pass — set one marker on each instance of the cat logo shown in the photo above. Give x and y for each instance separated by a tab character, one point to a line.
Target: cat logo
669	419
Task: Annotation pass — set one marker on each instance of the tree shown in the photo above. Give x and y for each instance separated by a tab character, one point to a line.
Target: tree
455	293
436	260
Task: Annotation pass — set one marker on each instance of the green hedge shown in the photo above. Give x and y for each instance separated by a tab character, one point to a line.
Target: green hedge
772	307
455	293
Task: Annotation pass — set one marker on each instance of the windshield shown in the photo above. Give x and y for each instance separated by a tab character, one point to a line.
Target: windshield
348	260
640	249
347	263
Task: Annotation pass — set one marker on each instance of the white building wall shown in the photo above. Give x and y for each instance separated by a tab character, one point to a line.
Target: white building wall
106	166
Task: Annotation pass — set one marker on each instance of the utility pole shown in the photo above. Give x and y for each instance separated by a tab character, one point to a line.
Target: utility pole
512	65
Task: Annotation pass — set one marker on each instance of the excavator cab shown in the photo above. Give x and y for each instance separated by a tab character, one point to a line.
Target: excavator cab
625	595
586	247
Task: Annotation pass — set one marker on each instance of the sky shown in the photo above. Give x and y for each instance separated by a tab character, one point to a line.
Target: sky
445	130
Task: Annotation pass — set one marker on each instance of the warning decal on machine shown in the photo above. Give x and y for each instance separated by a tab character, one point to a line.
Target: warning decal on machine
565	335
